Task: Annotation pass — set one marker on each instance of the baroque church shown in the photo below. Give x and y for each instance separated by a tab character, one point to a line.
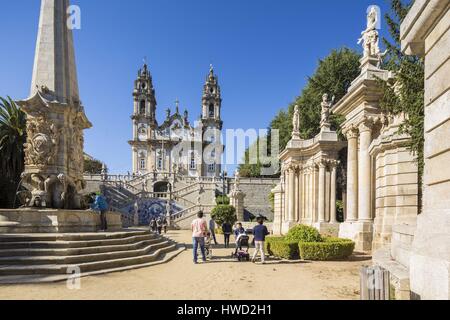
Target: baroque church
176	146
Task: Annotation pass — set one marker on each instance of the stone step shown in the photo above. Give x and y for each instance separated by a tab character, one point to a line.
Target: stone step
76	251
80	259
49	278
74	244
69	236
54	269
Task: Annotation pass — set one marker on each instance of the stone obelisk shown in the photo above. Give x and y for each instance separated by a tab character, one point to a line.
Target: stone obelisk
55	116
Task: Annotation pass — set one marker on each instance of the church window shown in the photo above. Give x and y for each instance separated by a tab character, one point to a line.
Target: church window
211	111
142	165
212	167
160	163
192	164
142	107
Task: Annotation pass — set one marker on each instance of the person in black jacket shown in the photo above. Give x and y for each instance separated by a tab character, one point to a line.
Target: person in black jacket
227	230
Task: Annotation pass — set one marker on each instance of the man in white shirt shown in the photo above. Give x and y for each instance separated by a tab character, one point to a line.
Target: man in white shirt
199	229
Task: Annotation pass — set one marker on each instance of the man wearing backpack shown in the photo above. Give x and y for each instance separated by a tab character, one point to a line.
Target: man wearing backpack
101	206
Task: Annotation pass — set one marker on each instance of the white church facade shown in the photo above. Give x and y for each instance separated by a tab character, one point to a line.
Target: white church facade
174	145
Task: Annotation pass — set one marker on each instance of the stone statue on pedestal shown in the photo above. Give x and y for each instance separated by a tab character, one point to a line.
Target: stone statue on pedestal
325	114
296	123
370	37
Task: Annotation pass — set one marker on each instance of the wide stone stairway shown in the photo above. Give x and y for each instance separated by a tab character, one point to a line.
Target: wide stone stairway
29	258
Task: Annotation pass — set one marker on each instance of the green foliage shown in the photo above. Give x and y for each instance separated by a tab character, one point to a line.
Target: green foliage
340	210
329	249
406	93
302	233
282	248
224	213
334	76
92	166
222	200
12	140
253	165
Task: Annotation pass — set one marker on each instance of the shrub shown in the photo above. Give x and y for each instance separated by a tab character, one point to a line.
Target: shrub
222	200
302	233
282	248
224	213
329	249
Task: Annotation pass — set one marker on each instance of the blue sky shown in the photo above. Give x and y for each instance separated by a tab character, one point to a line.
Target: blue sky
262	50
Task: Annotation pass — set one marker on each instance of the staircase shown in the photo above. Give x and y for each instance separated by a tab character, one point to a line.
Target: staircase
52	257
122	194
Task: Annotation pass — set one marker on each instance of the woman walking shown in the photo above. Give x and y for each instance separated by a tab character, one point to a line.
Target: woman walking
227	230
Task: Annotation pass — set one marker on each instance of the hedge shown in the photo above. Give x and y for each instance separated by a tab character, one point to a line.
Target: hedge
302	233
329	249
282	248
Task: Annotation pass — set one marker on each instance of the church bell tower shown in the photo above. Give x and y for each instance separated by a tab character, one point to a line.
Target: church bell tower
144	119
212	125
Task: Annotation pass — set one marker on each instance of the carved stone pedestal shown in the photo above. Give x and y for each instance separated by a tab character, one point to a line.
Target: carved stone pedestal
54	221
287	225
237	201
326	228
359	231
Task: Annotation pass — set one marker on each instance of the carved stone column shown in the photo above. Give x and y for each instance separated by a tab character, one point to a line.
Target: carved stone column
364	172
333	218
291	210
321	203
300	194
286	195
297	194
352	175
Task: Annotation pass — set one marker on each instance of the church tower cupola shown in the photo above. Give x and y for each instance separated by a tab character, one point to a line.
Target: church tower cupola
212	101
144	97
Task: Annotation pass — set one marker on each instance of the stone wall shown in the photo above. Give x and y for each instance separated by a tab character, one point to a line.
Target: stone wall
426	32
257	193
396	182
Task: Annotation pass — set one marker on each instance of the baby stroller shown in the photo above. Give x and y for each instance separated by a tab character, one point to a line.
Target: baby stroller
240	254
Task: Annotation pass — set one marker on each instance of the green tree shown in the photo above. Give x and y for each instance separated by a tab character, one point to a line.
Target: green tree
92	166
406	93
333	76
251	168
12	140
224	213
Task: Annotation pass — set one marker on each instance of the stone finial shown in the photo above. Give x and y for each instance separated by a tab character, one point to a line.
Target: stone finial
177	106
296	123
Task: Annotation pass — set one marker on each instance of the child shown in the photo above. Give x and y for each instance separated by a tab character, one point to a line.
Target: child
208	245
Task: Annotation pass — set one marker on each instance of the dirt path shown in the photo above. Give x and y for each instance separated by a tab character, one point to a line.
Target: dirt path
221	278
